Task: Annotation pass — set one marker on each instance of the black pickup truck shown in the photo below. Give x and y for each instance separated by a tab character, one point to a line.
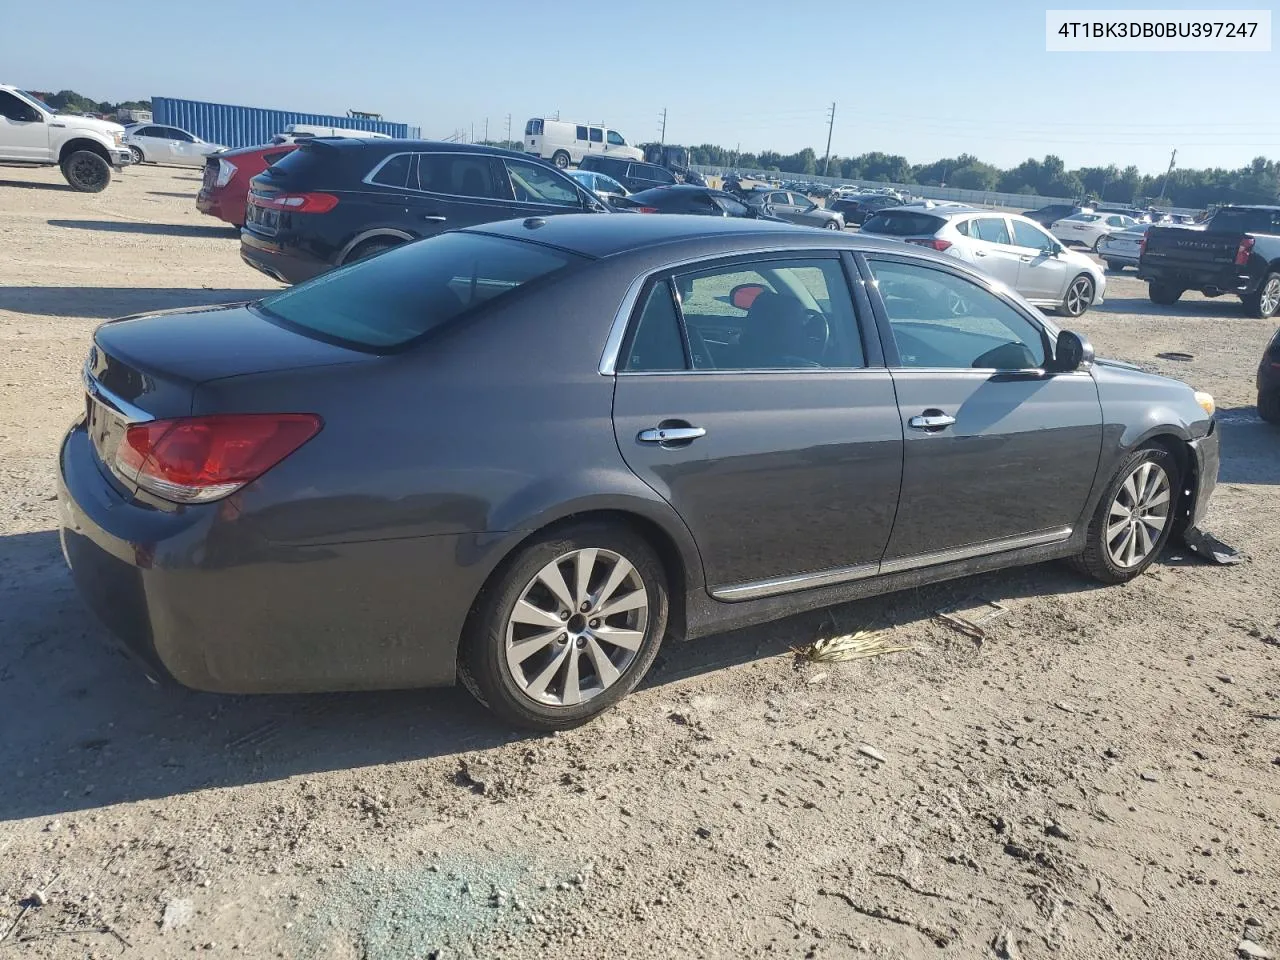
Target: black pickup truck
1238	251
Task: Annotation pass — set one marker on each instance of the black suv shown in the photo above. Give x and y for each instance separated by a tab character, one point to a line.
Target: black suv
335	201
632	174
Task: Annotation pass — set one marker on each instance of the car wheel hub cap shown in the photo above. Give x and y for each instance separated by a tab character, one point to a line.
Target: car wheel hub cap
577	626
1077	296
1271	296
1138	515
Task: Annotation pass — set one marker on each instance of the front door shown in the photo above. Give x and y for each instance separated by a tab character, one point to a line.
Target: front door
1042	275
994	252
997	452
748	403
536	190
24	135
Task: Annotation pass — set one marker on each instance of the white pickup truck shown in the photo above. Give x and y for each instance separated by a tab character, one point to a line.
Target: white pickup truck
32	133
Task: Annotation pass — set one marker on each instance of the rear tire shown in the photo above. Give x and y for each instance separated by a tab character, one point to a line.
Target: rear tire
1115	266
1266	302
86	171
560	159
570	671
138	155
831	225
370	248
1269	406
1163	294
1099	557
1098	243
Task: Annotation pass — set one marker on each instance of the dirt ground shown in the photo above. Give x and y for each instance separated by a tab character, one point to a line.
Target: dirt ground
1099	777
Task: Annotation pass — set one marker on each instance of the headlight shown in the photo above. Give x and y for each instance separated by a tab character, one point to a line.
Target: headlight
119	137
1206	402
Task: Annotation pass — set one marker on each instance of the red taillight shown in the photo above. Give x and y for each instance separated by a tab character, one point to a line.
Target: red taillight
646	209
197	459
932	243
1243	251
1142	245
299	202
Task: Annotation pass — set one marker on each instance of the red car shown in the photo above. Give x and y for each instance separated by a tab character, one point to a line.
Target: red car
226	179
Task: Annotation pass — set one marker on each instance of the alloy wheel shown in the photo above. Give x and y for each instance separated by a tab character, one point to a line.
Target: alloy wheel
1079	294
577	626
1269	302
87	172
1138	515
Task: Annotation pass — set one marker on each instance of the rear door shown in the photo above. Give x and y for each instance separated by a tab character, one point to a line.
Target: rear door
771	428
993	249
1041	275
998	453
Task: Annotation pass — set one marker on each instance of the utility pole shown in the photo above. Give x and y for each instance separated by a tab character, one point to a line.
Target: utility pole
662	138
486	129
473	132
1173	156
508	130
831	125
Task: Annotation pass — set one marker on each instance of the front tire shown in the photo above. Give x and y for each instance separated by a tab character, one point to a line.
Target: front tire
1079	296
567	627
1163	294
86	171
1134	518
138	155
831	225
1266	302
1269	406
560	159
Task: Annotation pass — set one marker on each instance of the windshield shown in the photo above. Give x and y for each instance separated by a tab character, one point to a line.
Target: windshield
36	100
395	297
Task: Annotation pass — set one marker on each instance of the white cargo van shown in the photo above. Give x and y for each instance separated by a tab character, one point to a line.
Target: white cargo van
564	142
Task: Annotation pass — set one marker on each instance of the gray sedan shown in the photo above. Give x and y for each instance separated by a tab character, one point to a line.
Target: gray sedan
522	455
796	208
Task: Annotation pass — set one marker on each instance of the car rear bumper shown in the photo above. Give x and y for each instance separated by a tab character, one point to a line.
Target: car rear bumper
202	596
220	207
277	261
1192	277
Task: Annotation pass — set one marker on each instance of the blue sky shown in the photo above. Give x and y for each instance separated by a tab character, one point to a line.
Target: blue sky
925	79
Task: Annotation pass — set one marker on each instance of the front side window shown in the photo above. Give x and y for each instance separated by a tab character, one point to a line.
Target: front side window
1025	235
395	171
615	139
180	135
597	135
942	320
770	315
991	229
534	183
388	300
15	109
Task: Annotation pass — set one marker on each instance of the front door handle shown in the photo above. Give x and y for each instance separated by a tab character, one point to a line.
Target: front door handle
979	253
931	420
434	218
1025	259
664	434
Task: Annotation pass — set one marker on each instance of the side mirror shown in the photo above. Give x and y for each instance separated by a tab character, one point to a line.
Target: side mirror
1071	352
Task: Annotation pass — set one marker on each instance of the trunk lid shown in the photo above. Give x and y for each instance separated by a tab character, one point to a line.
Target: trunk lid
148	367
1177	245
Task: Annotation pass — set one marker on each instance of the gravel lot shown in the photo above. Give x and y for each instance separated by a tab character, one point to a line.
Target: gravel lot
1099	777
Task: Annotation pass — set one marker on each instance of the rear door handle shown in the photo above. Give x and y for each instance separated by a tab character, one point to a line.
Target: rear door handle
1025	259
665	435
931	421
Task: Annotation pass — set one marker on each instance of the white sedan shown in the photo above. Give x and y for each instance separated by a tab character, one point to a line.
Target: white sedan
1088	229
153	143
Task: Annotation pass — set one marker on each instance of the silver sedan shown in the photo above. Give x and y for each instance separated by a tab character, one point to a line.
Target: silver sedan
1122	248
796	208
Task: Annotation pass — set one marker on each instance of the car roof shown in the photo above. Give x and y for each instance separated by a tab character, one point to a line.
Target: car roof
605	235
388	146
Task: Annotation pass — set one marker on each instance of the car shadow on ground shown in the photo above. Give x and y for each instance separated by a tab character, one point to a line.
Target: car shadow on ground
35	185
1225	306
184	194
84	728
152	229
103	303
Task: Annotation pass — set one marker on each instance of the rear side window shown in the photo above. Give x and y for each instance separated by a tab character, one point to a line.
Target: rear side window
394	171
395	297
991	229
597	135
657	343
902	223
580	133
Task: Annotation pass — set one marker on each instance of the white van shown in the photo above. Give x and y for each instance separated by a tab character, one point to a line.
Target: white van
311	130
564	142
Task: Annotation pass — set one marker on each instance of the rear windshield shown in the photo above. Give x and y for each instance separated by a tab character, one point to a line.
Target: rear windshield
902	223
1242	220
397	296
304	164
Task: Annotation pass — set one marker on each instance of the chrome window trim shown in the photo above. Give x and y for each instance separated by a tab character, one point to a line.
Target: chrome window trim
758	589
621	319
368	179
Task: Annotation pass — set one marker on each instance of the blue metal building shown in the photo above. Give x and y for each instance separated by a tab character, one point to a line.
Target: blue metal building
234	126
